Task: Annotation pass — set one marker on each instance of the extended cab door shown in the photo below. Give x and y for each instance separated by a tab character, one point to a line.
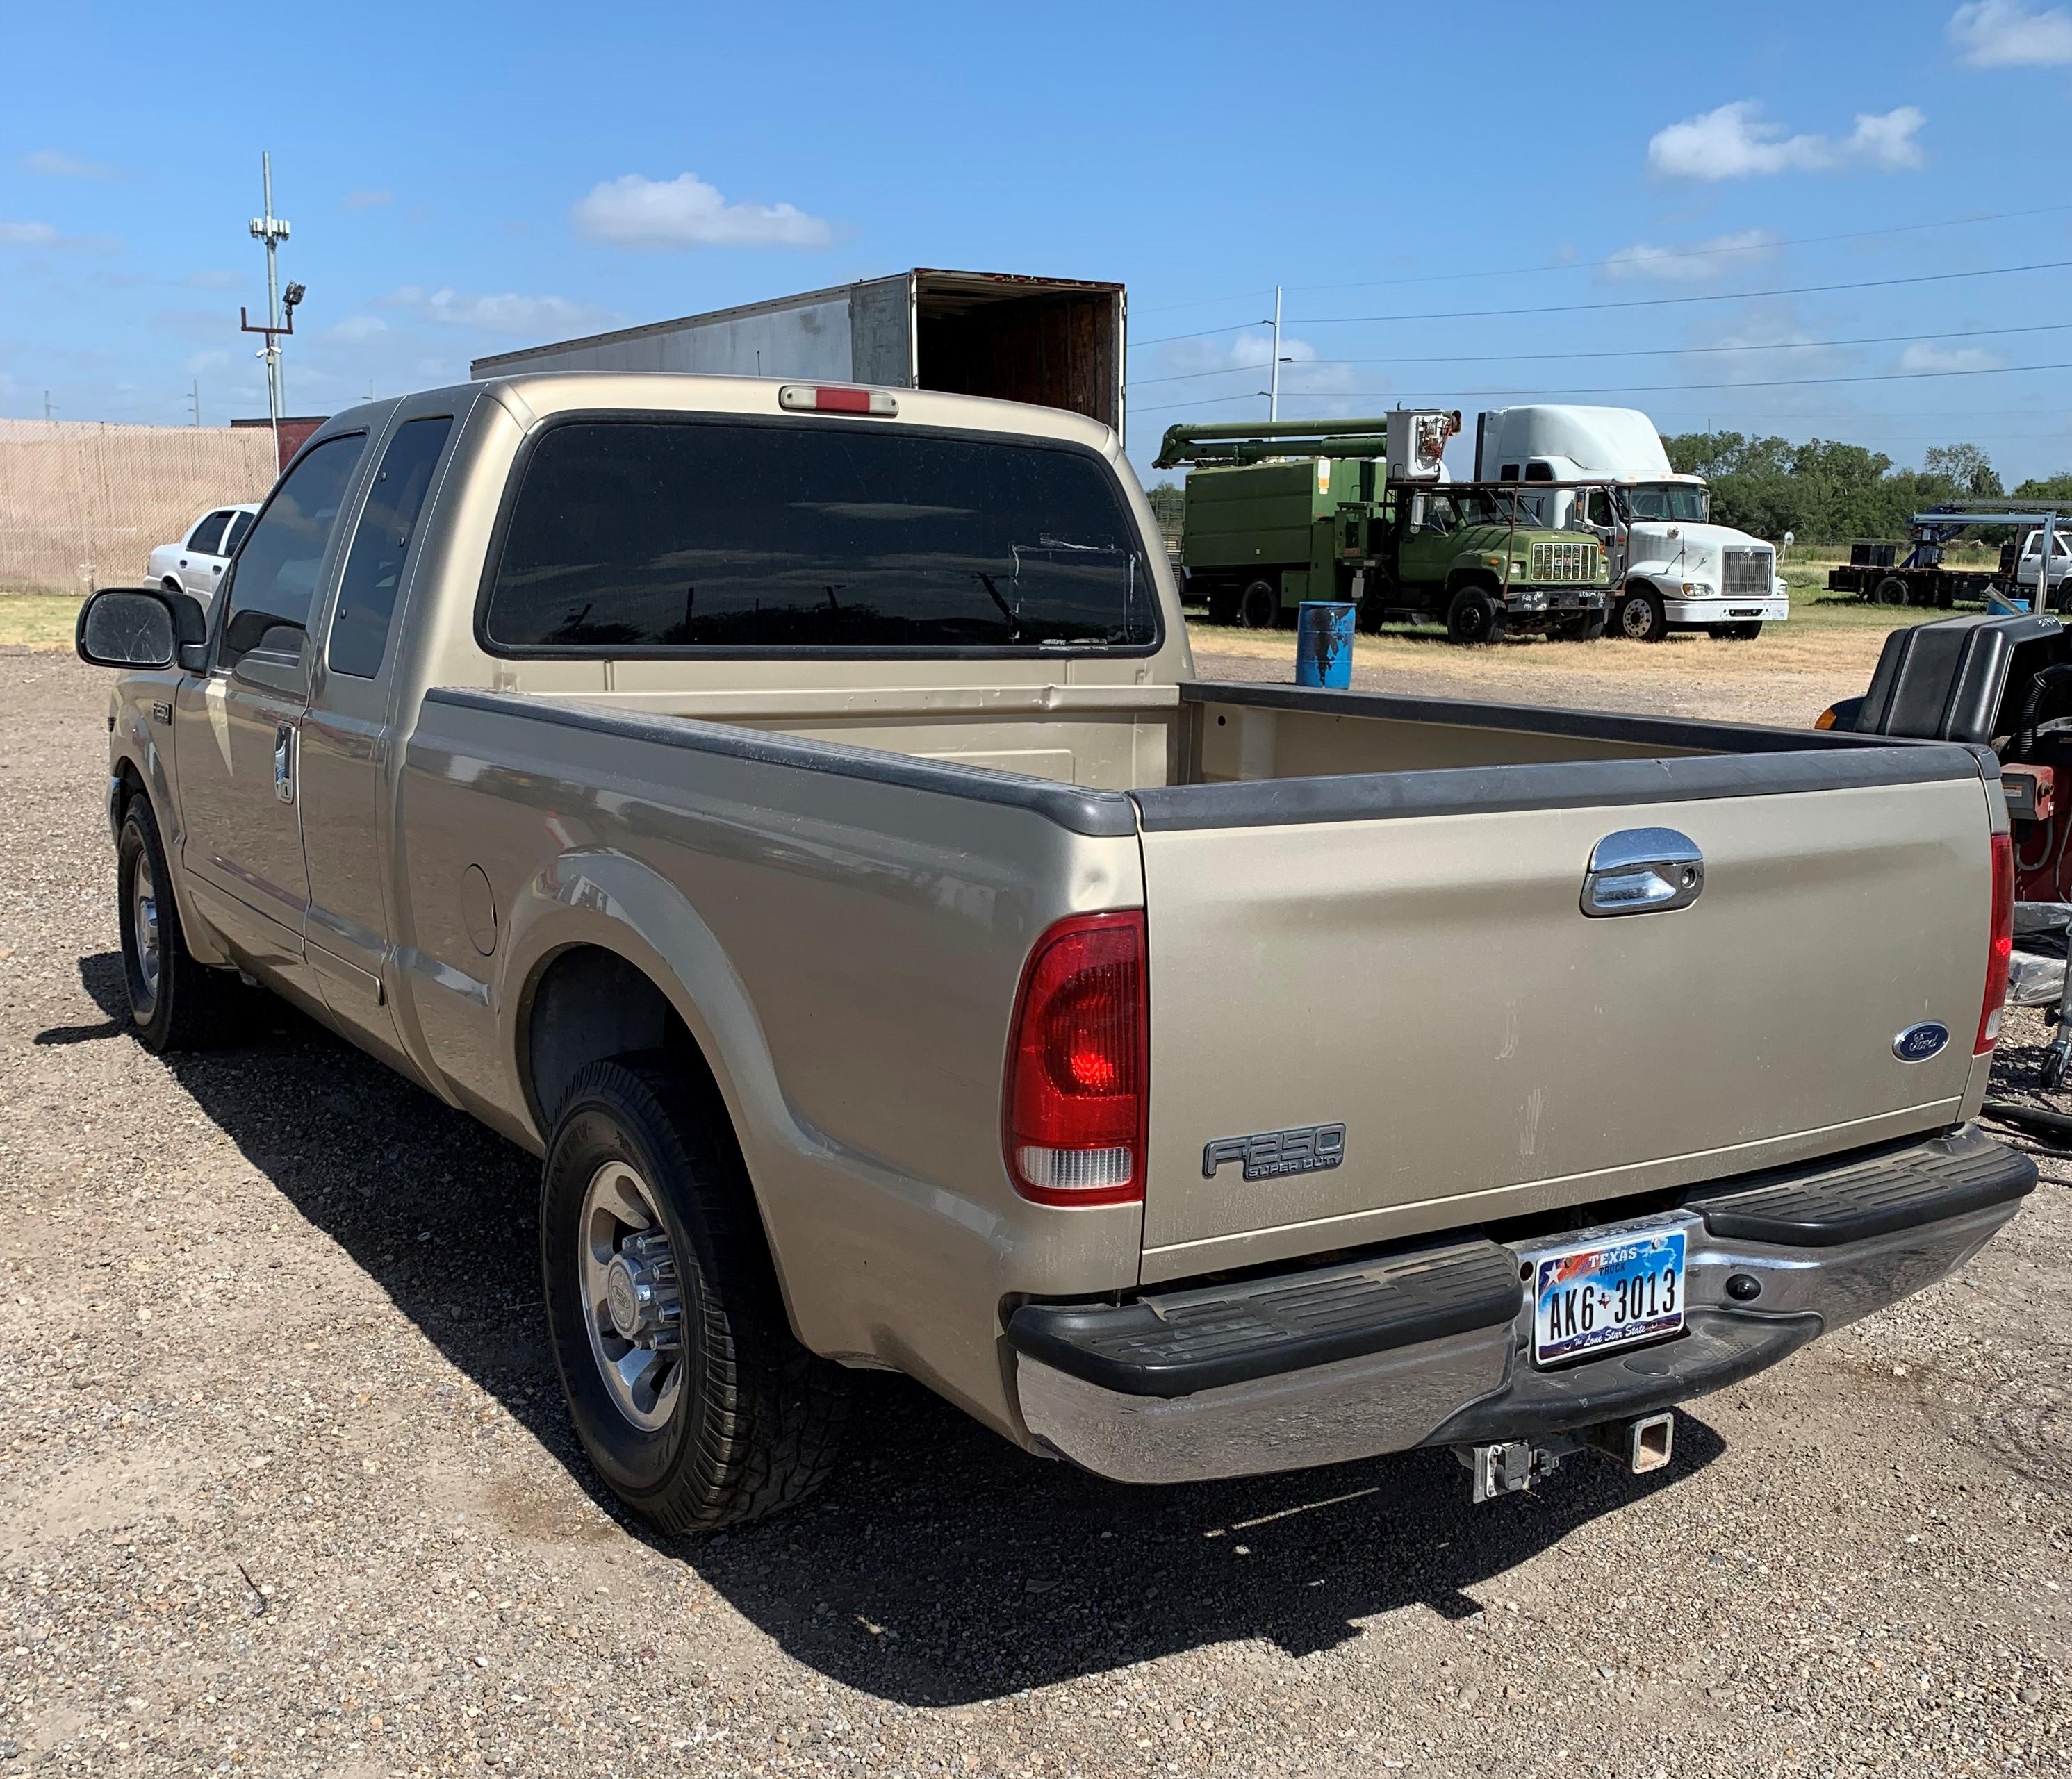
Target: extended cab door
348	733
202	555
238	727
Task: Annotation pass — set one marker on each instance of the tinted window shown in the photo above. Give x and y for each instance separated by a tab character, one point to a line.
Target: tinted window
381	546
659	534
1539	472
240	523
208	534
277	572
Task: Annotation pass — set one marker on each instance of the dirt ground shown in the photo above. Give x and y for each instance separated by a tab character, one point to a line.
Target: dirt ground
286	1485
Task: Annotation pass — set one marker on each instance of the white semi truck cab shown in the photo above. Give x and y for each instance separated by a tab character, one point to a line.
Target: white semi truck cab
1672	567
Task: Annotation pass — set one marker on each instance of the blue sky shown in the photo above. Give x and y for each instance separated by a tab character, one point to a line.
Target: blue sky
463	181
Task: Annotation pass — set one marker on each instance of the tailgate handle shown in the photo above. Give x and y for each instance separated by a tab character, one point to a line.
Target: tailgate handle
1642	871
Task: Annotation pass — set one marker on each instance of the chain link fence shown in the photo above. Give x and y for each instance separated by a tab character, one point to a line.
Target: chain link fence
82	504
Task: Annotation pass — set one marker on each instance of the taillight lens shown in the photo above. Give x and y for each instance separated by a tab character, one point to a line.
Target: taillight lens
1078	1064
2001	952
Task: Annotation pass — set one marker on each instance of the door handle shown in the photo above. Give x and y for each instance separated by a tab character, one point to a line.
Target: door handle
284	761
1642	870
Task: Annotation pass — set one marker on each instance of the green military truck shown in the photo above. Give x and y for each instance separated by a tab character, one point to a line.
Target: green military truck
1301	510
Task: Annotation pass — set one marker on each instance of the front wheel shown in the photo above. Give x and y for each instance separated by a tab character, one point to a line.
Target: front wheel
1474	617
688	1389
1641	619
1259	605
175	1003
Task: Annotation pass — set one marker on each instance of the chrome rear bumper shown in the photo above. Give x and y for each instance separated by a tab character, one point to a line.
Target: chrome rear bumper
1109	1387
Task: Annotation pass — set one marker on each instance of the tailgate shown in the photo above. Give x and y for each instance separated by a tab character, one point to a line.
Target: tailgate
1423	975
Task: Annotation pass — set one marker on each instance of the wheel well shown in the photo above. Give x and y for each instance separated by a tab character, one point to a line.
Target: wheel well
132	782
589	1004
1480	579
1635	587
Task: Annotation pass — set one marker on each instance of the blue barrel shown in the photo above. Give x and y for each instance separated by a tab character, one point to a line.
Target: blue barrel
1324	644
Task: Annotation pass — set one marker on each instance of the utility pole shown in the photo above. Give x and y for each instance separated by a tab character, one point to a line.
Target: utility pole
47	405
271	230
195	393
1273	386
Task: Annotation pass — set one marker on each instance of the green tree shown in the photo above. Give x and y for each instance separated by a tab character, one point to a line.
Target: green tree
2047	488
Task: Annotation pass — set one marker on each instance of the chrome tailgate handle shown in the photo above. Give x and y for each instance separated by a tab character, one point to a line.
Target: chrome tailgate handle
1642	871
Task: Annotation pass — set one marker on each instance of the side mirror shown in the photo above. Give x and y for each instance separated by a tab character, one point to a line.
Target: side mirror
139	627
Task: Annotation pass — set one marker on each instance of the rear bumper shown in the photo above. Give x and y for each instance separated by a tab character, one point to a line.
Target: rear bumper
1432	1346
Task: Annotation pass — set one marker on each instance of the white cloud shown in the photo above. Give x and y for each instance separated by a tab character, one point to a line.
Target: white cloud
40	234
506	313
2006	34
1734	141
1692	265
54	164
1921	356
357	330
686	212
367	197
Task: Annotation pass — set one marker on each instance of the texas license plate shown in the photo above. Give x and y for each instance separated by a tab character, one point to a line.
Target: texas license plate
1586	1300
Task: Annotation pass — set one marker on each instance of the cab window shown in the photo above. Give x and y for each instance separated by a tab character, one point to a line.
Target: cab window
381	544
277	570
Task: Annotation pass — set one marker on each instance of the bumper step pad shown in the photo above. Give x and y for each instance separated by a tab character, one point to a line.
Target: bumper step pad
1184	1341
1923	1183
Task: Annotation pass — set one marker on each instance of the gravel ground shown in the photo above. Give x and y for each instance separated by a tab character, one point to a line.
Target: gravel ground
286	1487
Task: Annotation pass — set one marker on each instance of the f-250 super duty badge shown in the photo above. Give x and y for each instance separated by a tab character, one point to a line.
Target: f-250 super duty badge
1307	1148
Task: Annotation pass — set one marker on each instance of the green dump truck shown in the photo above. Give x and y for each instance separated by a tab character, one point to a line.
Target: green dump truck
1301	510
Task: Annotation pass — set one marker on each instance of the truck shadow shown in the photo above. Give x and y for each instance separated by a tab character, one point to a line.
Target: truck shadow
940	1566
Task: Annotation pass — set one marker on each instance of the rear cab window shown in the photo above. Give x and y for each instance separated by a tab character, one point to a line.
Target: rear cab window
667	536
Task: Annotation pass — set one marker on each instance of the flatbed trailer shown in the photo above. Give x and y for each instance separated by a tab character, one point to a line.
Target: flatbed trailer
1922	577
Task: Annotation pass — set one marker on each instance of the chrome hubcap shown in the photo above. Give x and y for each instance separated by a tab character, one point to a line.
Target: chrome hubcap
144	931
632	1306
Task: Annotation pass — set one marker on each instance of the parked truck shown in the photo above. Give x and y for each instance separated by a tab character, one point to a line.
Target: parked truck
1921	576
1673	570
1057	342
1363	511
790	811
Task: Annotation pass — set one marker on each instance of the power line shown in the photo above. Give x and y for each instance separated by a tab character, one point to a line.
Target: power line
1633	303
1640	351
1625	259
1400	396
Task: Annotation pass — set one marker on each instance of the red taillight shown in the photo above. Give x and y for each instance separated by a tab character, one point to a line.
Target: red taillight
1078	1064
2000	953
835	398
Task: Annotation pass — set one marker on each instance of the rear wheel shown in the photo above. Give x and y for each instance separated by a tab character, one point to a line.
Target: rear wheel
1641	618
1891	591
1474	617
175	1003
1259	605
687	1387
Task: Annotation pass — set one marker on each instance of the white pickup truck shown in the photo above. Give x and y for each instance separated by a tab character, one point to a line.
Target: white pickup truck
790	811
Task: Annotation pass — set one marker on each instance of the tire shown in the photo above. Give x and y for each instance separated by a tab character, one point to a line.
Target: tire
1222	606
1373	609
1891	591
172	585
743	1420
175	1003
1586	629
1641	618
1473	618
1259	605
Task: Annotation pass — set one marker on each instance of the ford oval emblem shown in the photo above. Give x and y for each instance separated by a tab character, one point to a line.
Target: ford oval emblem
1918	1043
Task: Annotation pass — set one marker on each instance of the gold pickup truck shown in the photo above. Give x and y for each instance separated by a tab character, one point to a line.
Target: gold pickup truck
788	809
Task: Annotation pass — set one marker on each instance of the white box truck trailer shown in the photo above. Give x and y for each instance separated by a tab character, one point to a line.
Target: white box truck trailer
1672	568
1057	343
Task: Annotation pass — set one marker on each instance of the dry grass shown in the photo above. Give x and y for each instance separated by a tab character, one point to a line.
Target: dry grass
38	620
1787	676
